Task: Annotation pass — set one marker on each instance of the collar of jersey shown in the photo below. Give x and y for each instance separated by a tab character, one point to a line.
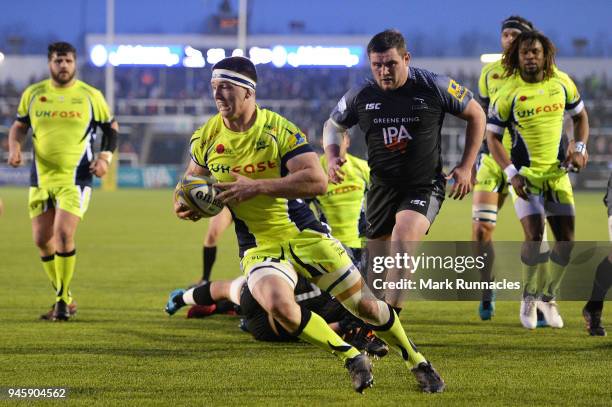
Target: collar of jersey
56	89
258	121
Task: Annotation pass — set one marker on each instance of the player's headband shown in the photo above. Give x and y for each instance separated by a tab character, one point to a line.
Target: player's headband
234	77
516	24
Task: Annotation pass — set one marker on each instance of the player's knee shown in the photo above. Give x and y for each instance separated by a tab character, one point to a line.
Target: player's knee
483	231
43	241
64	239
285	311
484	217
211	238
534	235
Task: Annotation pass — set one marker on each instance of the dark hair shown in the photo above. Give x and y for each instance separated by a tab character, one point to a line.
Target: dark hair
510	59
386	40
518	23
240	65
60	48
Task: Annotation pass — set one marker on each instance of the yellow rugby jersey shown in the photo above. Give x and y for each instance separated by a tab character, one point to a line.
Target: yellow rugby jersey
63	122
342	207
533	113
261	152
492	78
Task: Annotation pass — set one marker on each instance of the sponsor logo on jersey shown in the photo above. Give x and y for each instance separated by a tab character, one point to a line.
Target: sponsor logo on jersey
396	120
456	90
372	106
419	104
298	139
255	167
245	169
260	145
343	190
418	202
225	169
396	138
539	109
62	114
77	101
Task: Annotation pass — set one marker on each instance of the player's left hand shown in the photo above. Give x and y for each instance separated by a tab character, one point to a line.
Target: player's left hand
242	189
462	182
99	167
576	160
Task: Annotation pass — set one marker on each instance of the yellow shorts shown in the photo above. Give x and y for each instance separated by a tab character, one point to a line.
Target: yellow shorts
547	197
73	199
313	254
490	176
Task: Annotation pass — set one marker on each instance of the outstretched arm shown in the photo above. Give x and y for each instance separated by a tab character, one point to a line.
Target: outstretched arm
462	173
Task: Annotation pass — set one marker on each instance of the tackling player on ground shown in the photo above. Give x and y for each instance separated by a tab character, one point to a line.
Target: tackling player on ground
266	168
63	113
531	106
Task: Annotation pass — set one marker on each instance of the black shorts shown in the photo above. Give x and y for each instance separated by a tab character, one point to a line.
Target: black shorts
384	201
257	320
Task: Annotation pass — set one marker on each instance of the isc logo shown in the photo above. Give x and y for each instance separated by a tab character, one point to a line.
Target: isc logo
417	202
373	106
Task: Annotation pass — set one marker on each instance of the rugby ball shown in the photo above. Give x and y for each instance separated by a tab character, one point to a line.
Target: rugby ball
199	194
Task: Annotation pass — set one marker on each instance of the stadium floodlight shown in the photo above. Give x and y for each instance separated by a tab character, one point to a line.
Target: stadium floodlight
98	55
323	56
144	55
215	55
193	58
488	58
260	55
279	56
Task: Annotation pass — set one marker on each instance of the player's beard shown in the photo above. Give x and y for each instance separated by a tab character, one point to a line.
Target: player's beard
63	79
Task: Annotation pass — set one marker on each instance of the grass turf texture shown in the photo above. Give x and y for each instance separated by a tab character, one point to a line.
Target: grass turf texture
122	348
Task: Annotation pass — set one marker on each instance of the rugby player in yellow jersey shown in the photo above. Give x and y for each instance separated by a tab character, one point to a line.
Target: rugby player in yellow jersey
342	207
491	186
63	113
531	105
266	167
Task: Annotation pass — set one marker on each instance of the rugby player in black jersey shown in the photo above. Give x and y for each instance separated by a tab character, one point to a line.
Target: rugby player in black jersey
401	113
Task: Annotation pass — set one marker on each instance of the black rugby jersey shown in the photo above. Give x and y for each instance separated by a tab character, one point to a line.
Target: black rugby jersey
402	127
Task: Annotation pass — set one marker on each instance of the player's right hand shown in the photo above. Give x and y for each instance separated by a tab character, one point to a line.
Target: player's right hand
14	159
184	213
519	183
334	173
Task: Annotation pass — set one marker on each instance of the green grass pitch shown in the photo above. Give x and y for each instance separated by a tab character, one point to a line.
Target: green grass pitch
122	348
